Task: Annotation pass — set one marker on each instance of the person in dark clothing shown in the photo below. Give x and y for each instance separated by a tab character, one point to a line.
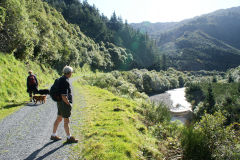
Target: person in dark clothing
32	84
64	106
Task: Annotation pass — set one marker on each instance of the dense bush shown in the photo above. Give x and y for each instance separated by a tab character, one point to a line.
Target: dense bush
33	30
210	139
194	93
233	74
135	82
101	29
114	84
152	81
220	96
194	145
155	113
2	16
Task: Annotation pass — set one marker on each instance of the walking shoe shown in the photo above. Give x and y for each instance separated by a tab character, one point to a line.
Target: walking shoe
55	138
72	140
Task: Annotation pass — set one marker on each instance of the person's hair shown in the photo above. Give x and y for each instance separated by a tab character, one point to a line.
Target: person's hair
67	69
30	71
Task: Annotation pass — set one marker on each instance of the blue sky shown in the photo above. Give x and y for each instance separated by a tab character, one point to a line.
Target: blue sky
160	10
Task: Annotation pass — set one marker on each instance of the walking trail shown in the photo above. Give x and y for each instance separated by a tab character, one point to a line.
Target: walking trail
25	135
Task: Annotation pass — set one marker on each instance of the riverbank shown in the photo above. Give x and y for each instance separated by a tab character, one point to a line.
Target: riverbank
177	103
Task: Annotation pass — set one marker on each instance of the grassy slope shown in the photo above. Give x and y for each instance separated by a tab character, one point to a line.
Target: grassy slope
111	127
13	74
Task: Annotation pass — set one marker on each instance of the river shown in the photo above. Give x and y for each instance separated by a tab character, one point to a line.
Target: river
175	99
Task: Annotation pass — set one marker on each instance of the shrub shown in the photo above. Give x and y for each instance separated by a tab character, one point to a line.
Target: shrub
210	139
194	144
194	93
2	17
155	113
116	84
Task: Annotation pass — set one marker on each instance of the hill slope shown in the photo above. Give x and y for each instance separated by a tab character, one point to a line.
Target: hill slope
13	82
33	30
207	42
102	29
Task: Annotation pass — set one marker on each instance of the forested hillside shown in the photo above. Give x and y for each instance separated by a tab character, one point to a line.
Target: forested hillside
32	30
207	42
112	116
113	30
154	29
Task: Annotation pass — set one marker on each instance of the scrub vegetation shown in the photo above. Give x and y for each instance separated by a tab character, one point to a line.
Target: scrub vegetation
114	76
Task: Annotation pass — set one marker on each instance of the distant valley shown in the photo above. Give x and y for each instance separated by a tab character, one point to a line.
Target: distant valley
207	42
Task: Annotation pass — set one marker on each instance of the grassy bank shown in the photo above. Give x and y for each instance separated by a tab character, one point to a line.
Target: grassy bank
110	127
13	82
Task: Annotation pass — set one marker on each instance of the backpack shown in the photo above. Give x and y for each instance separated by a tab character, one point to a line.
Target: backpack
32	80
54	91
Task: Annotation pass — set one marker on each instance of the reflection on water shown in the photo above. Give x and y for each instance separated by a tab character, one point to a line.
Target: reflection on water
179	102
180	107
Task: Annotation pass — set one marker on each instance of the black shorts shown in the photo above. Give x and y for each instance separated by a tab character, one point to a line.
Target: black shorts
64	110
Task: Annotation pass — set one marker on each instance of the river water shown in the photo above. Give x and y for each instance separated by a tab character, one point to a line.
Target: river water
175	99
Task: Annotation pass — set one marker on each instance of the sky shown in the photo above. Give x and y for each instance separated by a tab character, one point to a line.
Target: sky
135	11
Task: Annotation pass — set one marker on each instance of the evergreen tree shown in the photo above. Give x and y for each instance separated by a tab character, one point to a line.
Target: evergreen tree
164	62
230	78
114	23
113	30
214	80
210	100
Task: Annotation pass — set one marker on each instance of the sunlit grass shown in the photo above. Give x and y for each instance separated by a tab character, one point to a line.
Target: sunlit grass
110	128
13	76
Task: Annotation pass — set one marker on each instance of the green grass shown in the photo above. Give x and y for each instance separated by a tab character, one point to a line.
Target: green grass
13	76
109	127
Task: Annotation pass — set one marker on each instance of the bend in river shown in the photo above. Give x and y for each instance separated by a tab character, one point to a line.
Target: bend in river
180	108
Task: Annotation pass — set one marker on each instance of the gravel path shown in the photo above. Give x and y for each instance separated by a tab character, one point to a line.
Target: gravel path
25	135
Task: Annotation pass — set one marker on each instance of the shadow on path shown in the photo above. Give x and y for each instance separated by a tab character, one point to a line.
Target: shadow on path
13	105
35	153
33	104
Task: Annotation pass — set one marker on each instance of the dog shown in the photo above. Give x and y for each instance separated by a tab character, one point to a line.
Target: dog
43	91
41	99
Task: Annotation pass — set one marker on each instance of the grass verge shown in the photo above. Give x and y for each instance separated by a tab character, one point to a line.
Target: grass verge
109	127
13	78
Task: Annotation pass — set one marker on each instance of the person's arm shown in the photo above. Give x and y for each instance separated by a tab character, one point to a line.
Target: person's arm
63	90
36	80
65	99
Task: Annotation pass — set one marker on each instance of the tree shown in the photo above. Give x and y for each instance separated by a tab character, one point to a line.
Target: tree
214	80
114	22
164	62
2	16
230	78
210	100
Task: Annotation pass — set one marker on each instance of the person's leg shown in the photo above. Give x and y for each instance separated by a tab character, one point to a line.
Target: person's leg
30	95
66	127
56	123
70	139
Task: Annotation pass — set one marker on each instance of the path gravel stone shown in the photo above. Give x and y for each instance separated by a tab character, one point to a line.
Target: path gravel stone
25	135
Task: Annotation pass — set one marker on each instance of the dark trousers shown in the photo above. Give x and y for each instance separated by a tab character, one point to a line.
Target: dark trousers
32	90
